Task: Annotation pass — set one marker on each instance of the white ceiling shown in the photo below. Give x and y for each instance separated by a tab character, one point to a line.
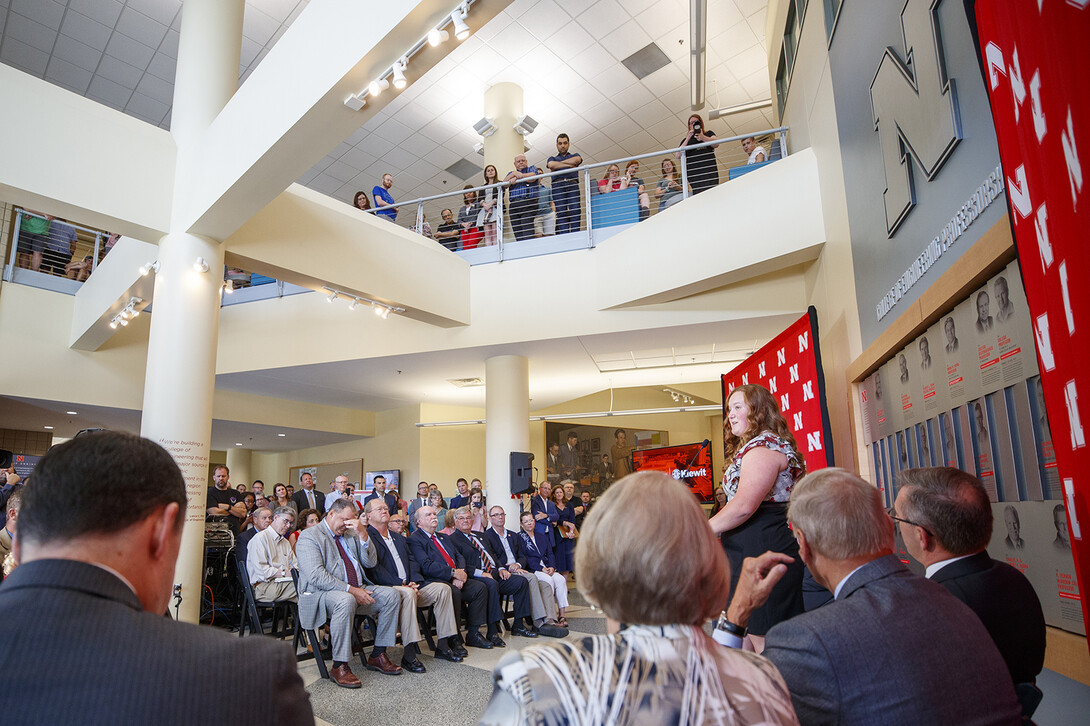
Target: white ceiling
566	54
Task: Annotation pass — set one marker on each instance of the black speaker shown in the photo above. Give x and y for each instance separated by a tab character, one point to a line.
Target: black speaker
522	471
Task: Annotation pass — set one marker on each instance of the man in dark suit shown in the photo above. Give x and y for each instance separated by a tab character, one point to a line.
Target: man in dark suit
482	564
396	568
439	561
945	519
892	647
81	619
306	497
421	501
462	500
390	498
544	511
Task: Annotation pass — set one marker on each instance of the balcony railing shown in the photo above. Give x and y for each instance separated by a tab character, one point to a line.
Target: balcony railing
60	256
550	213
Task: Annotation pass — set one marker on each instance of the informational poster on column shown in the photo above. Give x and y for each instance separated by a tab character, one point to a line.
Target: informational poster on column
1023	440
881	406
879	473
954	355
867	410
1042	434
891	377
1033	538
1005	465
985	341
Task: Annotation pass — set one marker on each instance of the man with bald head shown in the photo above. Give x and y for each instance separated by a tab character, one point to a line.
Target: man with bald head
523	196
82	618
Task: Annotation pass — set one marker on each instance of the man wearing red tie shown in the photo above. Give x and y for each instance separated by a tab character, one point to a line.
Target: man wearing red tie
440	562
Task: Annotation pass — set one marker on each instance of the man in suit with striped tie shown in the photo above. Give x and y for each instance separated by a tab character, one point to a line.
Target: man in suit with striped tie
306	497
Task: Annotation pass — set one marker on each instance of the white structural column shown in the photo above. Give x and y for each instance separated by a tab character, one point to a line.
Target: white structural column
507	409
238	462
181	366
503	104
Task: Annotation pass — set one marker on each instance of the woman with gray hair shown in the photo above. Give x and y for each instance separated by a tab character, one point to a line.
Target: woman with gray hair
648	560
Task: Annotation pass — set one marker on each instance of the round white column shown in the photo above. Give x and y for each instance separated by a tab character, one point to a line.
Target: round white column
179	383
238	462
209	49
507	410
503	104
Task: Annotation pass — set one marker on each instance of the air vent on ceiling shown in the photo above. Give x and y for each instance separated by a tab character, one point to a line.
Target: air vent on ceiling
463	169
466	382
646	61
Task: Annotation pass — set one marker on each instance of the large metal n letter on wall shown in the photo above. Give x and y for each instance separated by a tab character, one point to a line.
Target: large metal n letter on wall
915	108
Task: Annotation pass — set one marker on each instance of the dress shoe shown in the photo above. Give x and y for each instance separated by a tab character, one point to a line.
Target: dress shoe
474	640
344	677
383	664
459	651
448	654
497	641
524	632
413	666
552	631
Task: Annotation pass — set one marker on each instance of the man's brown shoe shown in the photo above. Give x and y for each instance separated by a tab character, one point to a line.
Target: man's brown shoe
383	664
344	677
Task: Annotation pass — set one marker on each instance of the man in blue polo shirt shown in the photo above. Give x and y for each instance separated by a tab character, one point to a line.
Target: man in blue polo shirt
565	186
384	201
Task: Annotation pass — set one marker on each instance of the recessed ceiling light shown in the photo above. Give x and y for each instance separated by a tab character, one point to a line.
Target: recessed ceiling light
237	444
49	428
72	413
281	434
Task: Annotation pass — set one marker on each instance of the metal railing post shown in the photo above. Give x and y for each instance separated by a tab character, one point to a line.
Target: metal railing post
420	218
586	196
684	177
98	246
498	221
9	273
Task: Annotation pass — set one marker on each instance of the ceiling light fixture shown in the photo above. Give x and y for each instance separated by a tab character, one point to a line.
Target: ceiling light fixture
377	86
281	435
200	265
72	413
147	268
380	309
48	428
355	102
352	305
228	286
458	17
525	125
437	36
485	127
399	73
332	296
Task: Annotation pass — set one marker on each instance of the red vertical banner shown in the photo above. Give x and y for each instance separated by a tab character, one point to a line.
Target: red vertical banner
789	366
1035	65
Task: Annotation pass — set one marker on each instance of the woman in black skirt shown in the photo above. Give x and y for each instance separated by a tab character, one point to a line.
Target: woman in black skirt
763	466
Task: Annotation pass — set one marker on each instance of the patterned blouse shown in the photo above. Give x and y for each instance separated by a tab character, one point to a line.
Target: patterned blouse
672	674
785	482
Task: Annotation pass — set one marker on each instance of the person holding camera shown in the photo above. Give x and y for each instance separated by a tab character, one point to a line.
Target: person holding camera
700	164
476	509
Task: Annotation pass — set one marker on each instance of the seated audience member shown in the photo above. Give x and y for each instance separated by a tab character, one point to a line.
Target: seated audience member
612	181
505	544
655	665
307	519
270	559
82	616
448	522
483	566
631	169
476	510
334	586
536	550
7	532
467	218
435	499
250	503
281	498
945	519
668	190
440	561
756	153
838	660
79	270
449	232
399	523
395	568
262	518
462	500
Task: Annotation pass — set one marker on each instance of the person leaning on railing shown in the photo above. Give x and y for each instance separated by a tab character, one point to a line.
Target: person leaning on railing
523	196
467	218
668	190
700	163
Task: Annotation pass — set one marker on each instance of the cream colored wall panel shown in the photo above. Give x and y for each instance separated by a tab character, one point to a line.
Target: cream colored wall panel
78	159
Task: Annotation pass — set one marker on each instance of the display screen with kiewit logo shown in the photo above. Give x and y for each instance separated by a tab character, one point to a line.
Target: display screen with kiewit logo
690	464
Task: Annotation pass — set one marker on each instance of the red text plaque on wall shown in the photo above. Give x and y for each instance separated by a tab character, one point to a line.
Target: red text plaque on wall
789	366
1034	59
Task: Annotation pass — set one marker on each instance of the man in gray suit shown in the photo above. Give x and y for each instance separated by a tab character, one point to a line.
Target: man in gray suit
892	647
333	585
83	637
